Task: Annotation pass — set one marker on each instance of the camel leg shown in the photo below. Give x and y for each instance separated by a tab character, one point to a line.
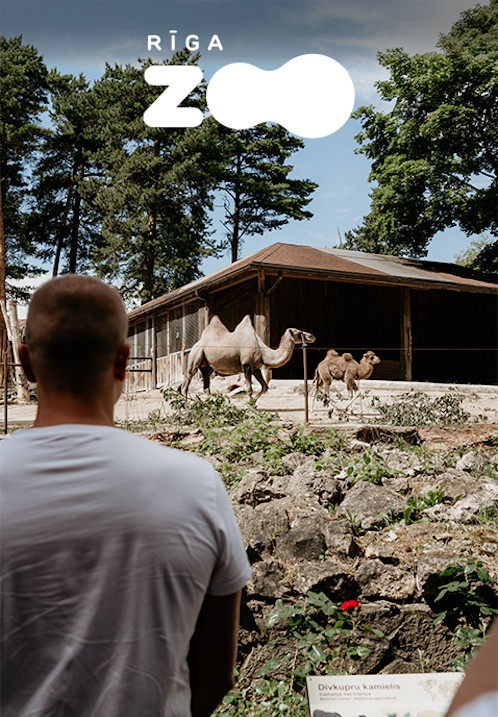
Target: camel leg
206	377
353	398
194	361
323	386
258	375
248	377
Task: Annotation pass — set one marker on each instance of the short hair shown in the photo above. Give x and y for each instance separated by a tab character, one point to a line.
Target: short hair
74	326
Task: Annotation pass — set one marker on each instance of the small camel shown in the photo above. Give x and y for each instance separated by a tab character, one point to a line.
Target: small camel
331	367
356	371
344	368
230	352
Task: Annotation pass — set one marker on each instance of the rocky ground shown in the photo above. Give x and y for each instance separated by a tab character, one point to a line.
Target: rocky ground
373	546
402	520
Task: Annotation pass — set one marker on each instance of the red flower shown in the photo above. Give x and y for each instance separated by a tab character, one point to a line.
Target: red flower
349	605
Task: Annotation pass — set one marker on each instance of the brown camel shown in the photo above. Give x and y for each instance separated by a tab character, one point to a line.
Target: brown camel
230	352
331	367
344	368
356	371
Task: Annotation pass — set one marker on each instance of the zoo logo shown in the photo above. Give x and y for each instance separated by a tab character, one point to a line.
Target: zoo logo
312	96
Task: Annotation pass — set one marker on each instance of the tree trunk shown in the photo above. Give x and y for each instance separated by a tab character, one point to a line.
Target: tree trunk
62	225
235	238
75	227
149	261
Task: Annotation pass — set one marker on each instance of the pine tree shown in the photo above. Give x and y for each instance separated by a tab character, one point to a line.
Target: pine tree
23	89
259	194
156	199
62	221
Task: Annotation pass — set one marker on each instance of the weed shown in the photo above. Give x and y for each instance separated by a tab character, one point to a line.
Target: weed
370	466
310	636
416	408
414	505
468	596
354	523
214	410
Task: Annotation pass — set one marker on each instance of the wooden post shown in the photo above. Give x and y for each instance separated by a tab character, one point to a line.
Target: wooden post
153	353
406	336
305	371
5	387
262	310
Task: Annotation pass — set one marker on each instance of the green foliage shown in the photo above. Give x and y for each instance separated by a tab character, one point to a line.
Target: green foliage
434	151
309	632
466	591
24	93
214	410
369	466
468	598
480	255
236	434
154	205
412	511
62	220
259	195
415	408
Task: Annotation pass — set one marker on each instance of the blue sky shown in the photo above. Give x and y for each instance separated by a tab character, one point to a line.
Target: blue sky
80	36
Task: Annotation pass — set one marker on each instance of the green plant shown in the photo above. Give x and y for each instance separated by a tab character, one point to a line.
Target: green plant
354	523
315	635
416	408
307	443
370	466
213	410
414	505
468	597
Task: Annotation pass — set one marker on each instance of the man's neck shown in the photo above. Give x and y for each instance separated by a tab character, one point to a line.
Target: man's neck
59	408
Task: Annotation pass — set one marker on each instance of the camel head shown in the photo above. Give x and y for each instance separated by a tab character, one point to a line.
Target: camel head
301	337
371	358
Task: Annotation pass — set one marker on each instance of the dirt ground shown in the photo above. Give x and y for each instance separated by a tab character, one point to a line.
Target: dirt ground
287	398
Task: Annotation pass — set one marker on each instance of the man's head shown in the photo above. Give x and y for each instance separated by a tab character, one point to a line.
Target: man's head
76	332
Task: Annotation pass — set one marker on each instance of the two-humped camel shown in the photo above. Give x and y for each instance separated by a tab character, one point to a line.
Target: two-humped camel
344	368
241	350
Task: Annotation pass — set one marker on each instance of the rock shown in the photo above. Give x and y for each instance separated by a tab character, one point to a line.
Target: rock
455	483
329	577
429	567
465	509
269	580
401	461
295	460
306	538
261	526
339	539
368	504
386	582
471	461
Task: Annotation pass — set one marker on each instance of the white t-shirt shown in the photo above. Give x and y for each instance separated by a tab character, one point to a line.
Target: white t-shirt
486	705
109	544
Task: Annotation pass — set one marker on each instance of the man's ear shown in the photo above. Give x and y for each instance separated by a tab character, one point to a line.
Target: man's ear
120	362
25	359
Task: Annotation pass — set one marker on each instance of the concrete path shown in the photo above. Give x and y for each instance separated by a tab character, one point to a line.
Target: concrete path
286	397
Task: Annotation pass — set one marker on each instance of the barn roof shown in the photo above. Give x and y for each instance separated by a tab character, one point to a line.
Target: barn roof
338	264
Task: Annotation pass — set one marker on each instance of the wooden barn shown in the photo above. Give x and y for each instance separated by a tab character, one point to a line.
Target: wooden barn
427	321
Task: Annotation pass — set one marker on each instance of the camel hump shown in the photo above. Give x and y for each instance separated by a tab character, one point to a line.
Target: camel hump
216	321
347	357
332	352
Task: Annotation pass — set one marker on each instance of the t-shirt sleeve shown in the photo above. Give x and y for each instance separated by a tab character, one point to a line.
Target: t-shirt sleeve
232	570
